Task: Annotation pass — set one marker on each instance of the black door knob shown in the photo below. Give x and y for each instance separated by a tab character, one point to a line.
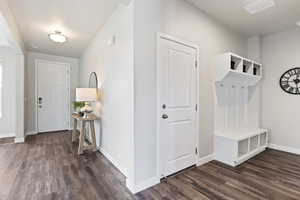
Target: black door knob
165	116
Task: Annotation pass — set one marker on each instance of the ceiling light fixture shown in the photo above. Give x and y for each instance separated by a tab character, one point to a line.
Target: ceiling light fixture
58	37
298	23
255	6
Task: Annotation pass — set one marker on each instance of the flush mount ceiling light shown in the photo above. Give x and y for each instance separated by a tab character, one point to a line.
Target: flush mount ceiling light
256	6
298	23
58	37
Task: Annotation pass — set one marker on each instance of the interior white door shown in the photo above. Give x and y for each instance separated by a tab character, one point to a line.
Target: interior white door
177	101
52	96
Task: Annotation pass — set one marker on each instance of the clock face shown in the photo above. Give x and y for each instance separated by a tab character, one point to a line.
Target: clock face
290	81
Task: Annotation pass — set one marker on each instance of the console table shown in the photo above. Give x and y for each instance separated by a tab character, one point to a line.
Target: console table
82	134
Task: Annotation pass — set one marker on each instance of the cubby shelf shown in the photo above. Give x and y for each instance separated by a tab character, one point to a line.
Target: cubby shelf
234	148
238	136
237	70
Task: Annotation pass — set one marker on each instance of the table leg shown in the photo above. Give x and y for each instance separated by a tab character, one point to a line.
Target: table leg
74	132
93	134
81	138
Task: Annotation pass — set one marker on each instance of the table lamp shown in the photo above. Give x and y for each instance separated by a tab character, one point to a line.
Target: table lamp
86	95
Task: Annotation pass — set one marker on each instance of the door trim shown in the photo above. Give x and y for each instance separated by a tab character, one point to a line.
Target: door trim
68	78
158	103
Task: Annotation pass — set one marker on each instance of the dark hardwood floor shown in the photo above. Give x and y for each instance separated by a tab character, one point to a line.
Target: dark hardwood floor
272	175
47	167
9	140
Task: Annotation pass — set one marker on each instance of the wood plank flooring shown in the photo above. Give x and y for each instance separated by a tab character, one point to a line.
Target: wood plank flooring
9	140
272	175
48	167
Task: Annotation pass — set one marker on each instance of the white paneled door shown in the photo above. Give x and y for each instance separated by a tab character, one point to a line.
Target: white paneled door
177	72
52	88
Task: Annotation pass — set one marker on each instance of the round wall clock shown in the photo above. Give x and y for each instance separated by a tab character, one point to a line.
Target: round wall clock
290	81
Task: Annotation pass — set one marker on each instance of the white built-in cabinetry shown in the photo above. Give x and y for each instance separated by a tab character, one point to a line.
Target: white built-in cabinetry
236	69
234	148
238	135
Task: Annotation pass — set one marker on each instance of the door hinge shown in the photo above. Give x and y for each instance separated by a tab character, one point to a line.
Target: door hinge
196	107
196	63
196	151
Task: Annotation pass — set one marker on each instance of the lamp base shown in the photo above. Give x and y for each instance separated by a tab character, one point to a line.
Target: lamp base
87	109
86	115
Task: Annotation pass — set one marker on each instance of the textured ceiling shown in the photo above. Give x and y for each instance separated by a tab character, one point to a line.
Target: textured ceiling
78	19
283	16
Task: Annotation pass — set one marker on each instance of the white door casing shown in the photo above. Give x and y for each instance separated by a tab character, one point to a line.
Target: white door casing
52	96
177	105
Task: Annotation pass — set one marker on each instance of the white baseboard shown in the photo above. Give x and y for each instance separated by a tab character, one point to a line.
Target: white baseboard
135	188
116	163
204	160
20	140
31	133
285	149
7	135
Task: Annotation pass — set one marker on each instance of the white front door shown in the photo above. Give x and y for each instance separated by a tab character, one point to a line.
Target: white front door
52	96
177	102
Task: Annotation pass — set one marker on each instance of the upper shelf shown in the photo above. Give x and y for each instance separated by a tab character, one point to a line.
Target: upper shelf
234	68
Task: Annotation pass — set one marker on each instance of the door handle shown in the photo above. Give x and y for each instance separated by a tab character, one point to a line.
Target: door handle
165	116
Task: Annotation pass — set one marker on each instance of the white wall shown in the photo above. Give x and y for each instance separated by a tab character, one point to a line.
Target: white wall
113	64
147	16
15	37
254	104
280	110
30	109
8	119
10	36
177	18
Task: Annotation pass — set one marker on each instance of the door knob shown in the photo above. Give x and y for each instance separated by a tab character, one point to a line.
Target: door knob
165	116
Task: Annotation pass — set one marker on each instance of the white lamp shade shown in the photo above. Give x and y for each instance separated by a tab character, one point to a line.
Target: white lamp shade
86	94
